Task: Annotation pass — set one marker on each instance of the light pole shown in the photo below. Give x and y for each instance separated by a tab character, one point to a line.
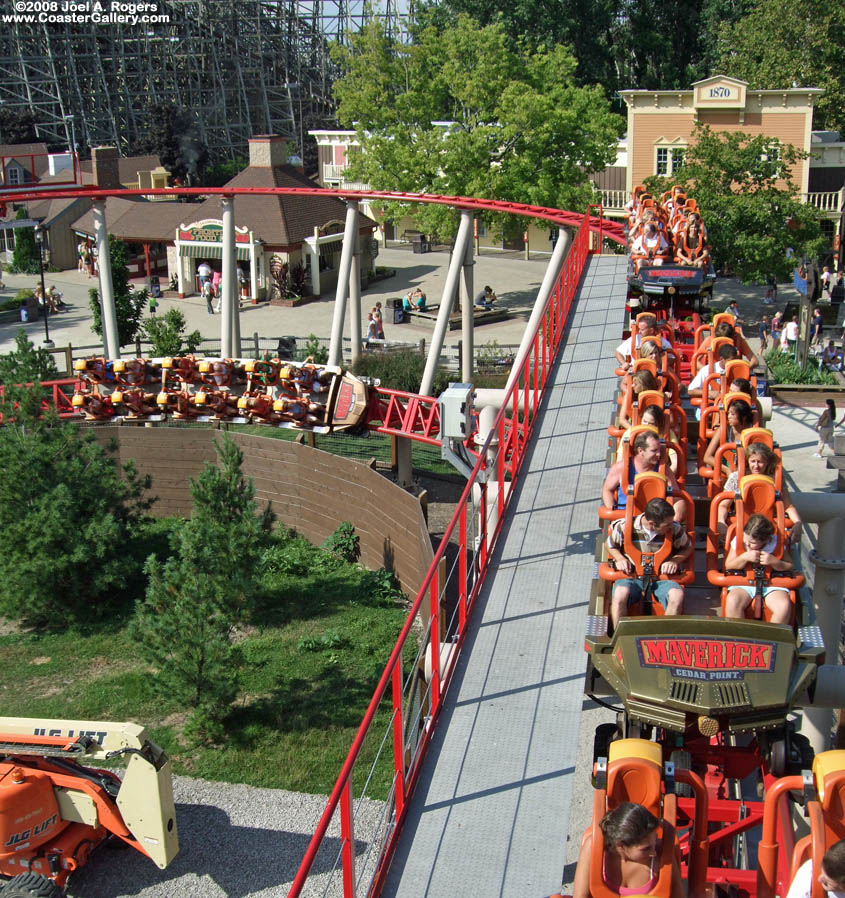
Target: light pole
39	239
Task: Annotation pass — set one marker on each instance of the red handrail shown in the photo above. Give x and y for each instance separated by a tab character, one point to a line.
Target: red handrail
512	436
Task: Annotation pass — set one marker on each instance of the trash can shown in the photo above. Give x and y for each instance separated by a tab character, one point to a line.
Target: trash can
24	314
420	243
399	315
155	286
286	350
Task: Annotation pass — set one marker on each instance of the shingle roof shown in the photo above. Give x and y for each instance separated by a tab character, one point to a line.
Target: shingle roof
127	167
278	220
139	219
20	153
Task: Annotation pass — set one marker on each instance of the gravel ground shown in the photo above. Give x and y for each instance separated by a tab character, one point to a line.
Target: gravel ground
236	841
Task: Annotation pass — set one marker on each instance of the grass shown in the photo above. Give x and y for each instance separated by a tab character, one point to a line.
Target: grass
313	654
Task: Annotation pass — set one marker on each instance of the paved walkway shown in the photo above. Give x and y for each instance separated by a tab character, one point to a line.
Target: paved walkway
491	812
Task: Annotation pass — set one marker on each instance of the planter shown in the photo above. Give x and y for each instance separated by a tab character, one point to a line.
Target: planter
805	394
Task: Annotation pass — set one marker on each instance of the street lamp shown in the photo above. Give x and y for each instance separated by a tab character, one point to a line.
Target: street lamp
39	239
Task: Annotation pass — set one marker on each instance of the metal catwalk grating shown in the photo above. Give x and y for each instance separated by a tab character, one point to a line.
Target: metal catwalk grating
491	812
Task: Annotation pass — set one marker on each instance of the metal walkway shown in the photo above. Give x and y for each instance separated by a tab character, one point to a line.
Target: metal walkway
490	814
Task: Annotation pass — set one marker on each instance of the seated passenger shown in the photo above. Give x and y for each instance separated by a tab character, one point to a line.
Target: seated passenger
760	541
691	247
640	381
646	326
831	357
726	329
630	857
739	417
656	417
650	247
759	459
650	530
831	877
645	455
696	385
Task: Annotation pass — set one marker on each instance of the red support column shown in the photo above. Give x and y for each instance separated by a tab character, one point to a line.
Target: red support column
398	740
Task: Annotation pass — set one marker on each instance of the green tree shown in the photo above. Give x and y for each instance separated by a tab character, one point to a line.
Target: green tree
67	512
221	173
26	364
198	596
129	304
779	43
17	125
26	255
748	202
167	334
459	111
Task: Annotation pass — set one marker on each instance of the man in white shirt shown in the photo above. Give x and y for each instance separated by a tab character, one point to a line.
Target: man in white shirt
646	327
831	877
696	385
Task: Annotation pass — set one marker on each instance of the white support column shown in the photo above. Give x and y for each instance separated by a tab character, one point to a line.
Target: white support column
111	345
828	593
467	297
446	303
549	279
314	261
349	237
229	281
253	272
355	300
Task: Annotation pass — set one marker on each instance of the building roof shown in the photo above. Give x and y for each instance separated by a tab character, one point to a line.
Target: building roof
127	168
278	220
47	210
139	219
20	151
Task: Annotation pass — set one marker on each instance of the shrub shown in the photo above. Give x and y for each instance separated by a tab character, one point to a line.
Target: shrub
400	370
315	350
344	543
785	370
167	334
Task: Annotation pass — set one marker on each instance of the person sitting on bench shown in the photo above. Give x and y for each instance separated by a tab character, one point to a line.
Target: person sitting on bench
414	299
485	298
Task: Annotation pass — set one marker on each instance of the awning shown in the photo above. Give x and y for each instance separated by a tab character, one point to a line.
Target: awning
210	251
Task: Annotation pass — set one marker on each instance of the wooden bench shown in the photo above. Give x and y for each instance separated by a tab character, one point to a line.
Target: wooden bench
480	316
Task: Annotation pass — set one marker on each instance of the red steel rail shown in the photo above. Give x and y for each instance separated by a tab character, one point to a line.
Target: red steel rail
475	525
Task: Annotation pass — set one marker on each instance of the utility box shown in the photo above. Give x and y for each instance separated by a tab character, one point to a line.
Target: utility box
456	408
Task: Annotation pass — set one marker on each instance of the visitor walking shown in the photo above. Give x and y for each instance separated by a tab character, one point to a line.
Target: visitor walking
208	294
764	334
825	425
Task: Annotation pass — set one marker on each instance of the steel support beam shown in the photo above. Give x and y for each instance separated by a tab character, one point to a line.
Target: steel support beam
349	240
111	344
441	326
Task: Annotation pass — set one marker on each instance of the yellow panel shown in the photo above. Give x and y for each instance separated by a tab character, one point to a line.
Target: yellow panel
824	764
635	748
76	807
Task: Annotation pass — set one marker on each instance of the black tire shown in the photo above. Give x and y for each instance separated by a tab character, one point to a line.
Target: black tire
778	758
682	761
31	885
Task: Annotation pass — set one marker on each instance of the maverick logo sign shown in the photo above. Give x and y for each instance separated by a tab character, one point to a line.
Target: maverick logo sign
708	659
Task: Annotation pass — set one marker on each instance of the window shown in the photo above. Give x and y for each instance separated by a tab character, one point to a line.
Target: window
669	157
13	174
482	228
677	160
662	161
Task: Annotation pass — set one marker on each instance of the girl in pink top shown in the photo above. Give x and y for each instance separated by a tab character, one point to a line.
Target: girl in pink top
630	858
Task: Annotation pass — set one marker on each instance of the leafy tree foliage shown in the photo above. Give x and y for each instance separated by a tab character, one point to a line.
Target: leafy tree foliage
167	334
66	515
172	136
459	111
748	202
26	364
26	255
619	44
197	598
223	172
129	304
17	126
781	42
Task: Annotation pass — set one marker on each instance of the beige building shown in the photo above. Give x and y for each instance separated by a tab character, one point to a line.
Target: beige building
661	122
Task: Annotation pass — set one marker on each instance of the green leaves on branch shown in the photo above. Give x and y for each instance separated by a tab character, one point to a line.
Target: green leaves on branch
462	112
26	364
748	201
